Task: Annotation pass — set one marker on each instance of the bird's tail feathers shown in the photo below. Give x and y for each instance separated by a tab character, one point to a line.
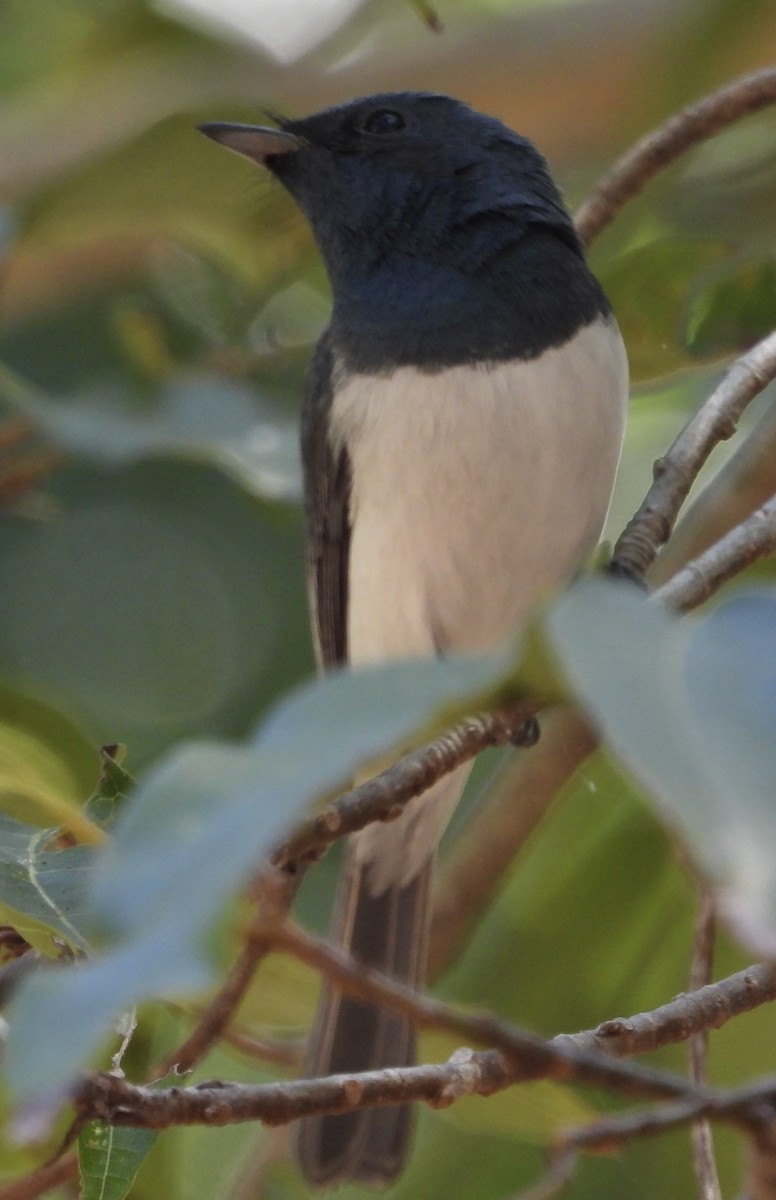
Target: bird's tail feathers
390	933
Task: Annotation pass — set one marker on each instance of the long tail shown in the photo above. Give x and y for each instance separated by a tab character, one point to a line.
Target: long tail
388	932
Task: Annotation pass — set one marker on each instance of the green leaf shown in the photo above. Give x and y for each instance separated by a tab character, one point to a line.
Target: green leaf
648	289
46	764
194	414
133	192
109	1158
182	597
730	314
42	891
195	830
113	786
690	706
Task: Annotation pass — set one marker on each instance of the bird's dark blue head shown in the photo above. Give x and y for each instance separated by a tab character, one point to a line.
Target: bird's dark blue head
438	225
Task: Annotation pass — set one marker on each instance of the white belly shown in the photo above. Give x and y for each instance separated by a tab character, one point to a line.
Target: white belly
476	491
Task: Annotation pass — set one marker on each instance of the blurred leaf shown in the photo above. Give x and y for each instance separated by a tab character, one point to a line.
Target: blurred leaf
37	781
180	605
58	757
648	288
731	314
26	770
595	891
196	828
109	1158
42	890
170	182
200	415
690	706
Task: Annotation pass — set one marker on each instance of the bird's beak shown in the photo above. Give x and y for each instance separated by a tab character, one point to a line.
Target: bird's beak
252	141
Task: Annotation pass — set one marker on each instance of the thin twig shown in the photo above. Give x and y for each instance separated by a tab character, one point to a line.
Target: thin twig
383	797
439	1084
750	1107
284	1052
760	1170
529	1056
378	798
676	472
258	1161
743	484
709	1008
701	965
558	1174
662	146
753	539
42	1179
274	892
467	1073
218	1014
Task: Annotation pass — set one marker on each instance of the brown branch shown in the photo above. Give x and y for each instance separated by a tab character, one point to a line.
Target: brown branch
676	472
120	1103
383	797
528	1055
259	1159
745	482
42	1179
520	1056
218	1014
378	799
760	1179
753	539
559	1173
709	1008
110	1098
662	146
284	1052
701	966
751	1107
273	892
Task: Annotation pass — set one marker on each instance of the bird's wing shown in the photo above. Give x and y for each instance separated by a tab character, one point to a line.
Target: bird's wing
327	496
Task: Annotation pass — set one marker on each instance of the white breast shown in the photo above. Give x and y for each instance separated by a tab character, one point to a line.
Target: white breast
475	491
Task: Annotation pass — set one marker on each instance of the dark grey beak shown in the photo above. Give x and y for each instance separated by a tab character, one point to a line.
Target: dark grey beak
252	141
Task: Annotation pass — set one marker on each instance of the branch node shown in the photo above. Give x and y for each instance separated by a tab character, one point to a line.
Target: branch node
352	1092
615	1027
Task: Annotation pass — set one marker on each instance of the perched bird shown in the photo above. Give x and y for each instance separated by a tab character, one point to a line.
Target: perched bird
460	435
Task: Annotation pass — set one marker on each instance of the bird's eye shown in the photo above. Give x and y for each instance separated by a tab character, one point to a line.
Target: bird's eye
384	120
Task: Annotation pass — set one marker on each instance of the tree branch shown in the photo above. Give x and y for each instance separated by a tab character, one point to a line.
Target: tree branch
120	1103
383	798
754	538
528	1055
274	892
709	1008
42	1179
675	473
658	149
701	966
745	482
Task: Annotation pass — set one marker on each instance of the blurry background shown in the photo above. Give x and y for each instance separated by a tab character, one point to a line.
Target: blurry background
158	302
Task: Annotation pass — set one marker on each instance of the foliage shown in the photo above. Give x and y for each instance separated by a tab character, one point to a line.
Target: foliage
158	308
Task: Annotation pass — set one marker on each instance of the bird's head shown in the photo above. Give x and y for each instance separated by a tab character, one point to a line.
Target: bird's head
409	173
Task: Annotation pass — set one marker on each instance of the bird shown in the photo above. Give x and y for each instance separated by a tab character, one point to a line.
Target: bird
461	428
